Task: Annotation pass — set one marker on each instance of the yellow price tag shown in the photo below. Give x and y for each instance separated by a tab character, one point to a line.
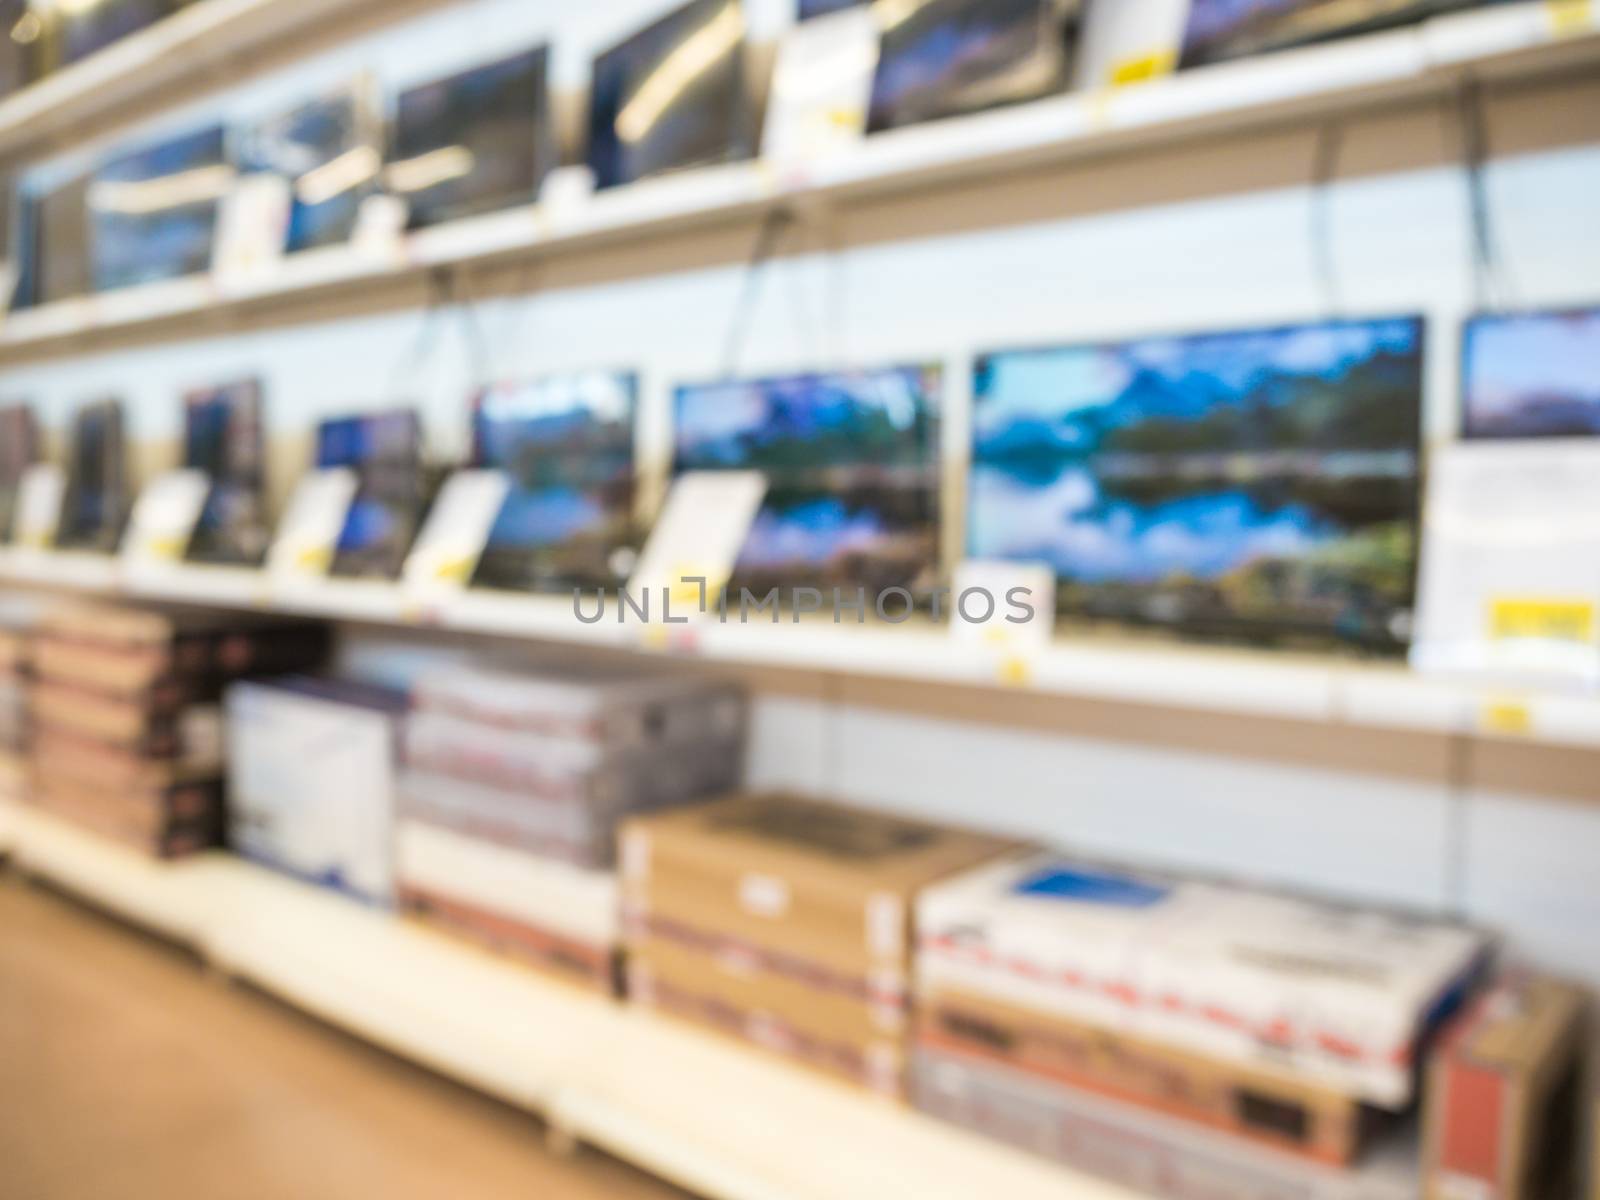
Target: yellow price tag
314	558
1512	718
1550	620
453	570
1569	18
654	637
1141	68
165	547
1015	672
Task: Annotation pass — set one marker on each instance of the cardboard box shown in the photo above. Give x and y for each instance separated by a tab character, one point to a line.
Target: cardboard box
817	881
1343	997
1150	1154
1270	1109
170	823
616	707
878	1066
311	774
154	727
1505	1091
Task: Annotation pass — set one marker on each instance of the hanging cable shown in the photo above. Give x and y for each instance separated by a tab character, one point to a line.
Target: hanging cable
1490	282
768	239
1324	173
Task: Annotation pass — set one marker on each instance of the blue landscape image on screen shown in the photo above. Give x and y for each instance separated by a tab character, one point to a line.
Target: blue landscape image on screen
1265	476
1533	375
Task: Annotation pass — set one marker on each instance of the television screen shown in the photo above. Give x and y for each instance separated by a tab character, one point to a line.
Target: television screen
153	213
330	150
941	58
19	450
821	8
853	467
1219	30
567	443
476	142
672	96
1238	482
82	28
385	451
52	236
96	502
1532	375
224	436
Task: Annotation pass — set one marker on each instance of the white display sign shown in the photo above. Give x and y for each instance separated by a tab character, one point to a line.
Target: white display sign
1510	583
453	538
380	228
821	88
699	535
1007	607
252	229
309	533
38	514
1131	43
163	520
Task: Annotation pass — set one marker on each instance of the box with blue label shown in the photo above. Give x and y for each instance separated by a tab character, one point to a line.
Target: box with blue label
311	780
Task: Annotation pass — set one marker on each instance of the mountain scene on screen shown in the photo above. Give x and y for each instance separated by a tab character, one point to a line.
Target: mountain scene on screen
1224	29
1533	375
1264	478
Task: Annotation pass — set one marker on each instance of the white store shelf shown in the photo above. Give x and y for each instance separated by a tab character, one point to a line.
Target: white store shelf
1326	690
727	1122
208	36
1527	40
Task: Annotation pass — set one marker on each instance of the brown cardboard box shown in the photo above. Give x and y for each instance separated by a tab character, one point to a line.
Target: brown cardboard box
153	728
1269	1109
821	882
1504	1092
169	823
879	1065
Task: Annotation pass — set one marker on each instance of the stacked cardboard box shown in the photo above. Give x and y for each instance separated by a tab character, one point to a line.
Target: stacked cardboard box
1271	1031
17	618
126	718
786	922
514	785
311	780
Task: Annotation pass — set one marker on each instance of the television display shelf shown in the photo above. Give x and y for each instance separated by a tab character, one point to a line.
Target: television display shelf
208	36
706	1114
1517	41
1321	689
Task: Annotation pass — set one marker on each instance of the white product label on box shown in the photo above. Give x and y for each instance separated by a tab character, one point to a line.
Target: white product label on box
39	498
164	518
821	88
309	534
457	530
698	538
764	896
380	228
1009	608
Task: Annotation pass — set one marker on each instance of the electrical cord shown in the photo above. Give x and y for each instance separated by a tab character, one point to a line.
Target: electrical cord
1324	173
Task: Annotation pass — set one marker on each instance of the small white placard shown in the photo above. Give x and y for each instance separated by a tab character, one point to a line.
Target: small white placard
1006	606
453	538
1131	43
821	88
380	228
39	499
163	519
309	532
701	531
1510	583
252	229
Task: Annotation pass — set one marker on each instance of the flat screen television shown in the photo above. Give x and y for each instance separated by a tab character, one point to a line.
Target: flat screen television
224	435
673	96
475	142
95	506
852	463
942	58
567	444
153	213
811	9
1532	375
1254	484
385	451
52	239
330	151
1219	30
19	450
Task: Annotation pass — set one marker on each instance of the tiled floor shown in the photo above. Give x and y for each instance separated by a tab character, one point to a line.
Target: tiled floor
126	1073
